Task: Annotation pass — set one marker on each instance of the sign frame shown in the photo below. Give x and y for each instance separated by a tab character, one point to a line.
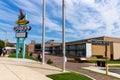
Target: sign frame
100	42
21	35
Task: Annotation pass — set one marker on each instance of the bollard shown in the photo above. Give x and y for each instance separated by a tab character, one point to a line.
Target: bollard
106	69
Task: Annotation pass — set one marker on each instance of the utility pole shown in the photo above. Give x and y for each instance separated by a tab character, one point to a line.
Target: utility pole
43	33
63	35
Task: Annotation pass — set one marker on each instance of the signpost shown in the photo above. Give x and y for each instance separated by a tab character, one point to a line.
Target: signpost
21	33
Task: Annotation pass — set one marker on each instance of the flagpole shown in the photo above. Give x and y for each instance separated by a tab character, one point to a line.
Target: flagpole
63	34
43	33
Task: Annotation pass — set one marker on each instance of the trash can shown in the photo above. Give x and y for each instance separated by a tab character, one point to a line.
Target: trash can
103	64
98	63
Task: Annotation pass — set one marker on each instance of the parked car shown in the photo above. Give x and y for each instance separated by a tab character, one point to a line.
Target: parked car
80	58
47	52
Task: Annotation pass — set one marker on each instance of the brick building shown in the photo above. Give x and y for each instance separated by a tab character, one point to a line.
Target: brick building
99	47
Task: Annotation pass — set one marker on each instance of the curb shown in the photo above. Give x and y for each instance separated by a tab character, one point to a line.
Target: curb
83	74
77	72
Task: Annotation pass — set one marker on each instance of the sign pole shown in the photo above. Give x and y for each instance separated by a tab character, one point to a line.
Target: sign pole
23	47
17	47
63	35
43	33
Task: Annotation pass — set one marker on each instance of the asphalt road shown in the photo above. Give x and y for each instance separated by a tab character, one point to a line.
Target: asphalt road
115	70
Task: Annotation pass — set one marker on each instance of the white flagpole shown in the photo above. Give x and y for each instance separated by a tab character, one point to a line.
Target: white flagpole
63	34
43	33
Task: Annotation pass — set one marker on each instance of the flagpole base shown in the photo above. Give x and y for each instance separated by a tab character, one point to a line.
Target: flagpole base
63	70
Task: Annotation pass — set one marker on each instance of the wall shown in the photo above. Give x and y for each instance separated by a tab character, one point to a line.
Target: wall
100	50
116	51
30	48
88	50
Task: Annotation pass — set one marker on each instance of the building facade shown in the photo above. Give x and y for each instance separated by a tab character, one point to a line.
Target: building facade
105	47
50	46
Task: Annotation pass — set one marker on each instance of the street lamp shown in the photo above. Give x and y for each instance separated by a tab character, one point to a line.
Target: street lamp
5	36
63	35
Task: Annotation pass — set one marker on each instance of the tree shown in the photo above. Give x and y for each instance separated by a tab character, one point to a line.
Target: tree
9	45
2	43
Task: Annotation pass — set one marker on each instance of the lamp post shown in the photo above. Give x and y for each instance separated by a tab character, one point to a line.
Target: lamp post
43	33
63	35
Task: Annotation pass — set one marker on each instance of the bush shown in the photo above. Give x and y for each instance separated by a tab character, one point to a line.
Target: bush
39	57
31	54
13	55
98	56
49	61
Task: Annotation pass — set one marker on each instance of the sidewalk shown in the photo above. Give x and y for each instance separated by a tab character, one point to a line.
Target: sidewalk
24	69
99	70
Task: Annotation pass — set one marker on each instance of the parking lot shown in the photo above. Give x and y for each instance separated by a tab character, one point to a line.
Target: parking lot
115	70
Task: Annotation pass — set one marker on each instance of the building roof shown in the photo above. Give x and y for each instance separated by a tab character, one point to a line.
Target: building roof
104	38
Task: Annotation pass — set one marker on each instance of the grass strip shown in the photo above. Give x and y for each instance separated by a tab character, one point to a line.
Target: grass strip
68	76
13	55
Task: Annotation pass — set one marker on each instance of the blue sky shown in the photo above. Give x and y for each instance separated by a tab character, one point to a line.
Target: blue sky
84	19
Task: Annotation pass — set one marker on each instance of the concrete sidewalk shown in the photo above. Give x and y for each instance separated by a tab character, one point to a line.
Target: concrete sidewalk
100	70
24	69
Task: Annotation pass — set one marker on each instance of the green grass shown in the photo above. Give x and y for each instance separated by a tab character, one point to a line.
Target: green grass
13	55
108	61
68	76
114	66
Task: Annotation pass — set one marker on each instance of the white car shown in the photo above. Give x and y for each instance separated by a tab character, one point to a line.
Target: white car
47	52
80	59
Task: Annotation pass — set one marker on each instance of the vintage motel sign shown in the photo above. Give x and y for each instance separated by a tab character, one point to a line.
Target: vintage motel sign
21	32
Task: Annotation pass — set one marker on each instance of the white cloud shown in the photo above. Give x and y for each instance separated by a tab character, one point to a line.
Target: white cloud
52	25
38	38
27	5
84	18
88	14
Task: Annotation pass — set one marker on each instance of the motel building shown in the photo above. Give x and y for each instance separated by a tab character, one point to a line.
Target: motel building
100	47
